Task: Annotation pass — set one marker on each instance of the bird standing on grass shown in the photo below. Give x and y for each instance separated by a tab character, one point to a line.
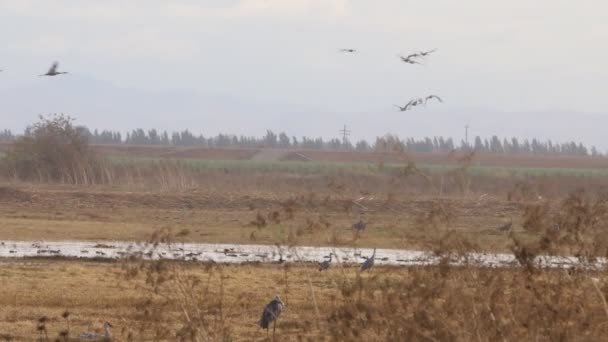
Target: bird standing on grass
367	264
360	226
90	335
53	70
271	313
326	263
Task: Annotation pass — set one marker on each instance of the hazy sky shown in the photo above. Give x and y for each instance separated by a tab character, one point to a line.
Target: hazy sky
518	55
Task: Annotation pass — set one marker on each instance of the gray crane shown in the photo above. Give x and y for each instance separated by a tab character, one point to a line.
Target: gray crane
90	335
271	313
360	226
53	70
407	106
324	265
367	264
430	97
426	53
348	50
413	103
410	59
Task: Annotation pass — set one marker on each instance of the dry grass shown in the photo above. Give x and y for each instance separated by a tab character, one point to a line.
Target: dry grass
447	213
387	304
393	221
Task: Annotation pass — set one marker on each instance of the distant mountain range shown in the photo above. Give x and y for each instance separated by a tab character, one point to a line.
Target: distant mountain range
101	105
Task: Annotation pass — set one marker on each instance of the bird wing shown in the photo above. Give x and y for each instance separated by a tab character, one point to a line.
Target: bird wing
434	97
53	68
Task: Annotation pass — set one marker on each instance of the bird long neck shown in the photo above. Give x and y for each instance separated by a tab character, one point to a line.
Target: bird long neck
106	329
374	254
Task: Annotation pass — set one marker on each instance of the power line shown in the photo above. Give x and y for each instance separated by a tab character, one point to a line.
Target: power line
345	133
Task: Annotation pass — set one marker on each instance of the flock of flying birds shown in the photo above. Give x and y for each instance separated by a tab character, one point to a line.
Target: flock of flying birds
414	58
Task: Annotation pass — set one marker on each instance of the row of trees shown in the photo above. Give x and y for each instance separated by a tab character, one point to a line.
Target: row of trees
386	143
6	135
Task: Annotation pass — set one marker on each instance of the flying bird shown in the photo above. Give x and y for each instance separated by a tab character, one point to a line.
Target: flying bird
271	313
53	71
430	97
426	53
409	105
348	50
410	59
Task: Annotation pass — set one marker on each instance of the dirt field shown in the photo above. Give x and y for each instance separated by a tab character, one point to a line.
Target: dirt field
62	213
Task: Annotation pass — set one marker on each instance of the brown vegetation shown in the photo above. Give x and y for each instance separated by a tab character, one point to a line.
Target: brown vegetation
53	150
450	213
171	302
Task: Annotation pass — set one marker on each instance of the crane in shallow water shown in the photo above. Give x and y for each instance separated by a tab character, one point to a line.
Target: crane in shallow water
369	263
324	265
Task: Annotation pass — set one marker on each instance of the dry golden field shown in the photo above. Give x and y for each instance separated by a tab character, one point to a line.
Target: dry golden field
447	211
163	301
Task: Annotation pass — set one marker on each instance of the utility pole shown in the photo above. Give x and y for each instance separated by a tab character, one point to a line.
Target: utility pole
345	133
466	134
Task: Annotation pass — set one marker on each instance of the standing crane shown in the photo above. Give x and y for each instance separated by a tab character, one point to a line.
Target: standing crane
367	264
271	313
326	263
360	226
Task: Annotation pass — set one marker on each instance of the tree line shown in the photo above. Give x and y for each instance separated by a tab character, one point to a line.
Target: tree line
385	143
